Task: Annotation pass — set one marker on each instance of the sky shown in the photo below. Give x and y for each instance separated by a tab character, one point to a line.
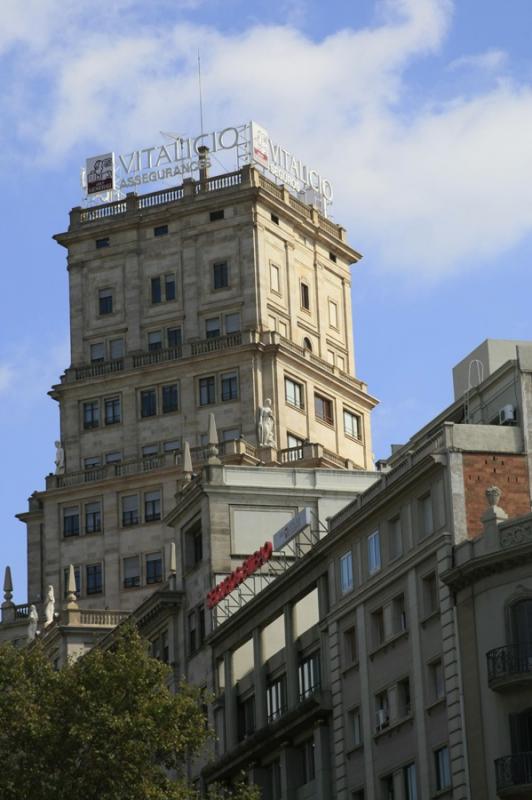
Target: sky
419	112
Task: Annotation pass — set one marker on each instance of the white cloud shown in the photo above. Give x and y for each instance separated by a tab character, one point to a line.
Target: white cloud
489	61
427	186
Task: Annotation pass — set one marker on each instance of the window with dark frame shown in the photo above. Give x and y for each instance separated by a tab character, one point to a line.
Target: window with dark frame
152	506
443	769
105	301
94	579
245	718
309	676
305	296
131	567
274	218
276	698
112	410
155	341
229	387
91	414
71	521
207	394
220	271
350	646
97	351
170	398
154	568
192	631
148	403
93	517
101	243
216	215
194	545
156	295
169	287
323	409
173	337
160	230
130	510
212	328
430	594
306	762
294	393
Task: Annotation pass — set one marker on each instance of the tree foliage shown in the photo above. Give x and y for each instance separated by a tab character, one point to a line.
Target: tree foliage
105	727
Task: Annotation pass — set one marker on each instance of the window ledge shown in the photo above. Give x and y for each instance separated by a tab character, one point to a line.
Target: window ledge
325	422
295	406
440	702
354	666
443	793
389	643
433	615
393	726
357	439
357	748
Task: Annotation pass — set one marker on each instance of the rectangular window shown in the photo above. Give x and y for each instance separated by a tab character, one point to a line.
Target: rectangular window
230	434
430	594
71	521
232	323
105	301
307	765
216	215
295	446
305	296
192	633
245	718
382	710
309	676
399	614
355	727
274	218
101	243
274	780
229	387
156	296
154	568
91	463
155	341
97	352
350	646
333	314
346	572
169	287
352	424
388	789
410	782
377	624
323	408
160	230
77	578
116	348
131	572
113	458
91	414
293	393
443	769
404	707
274	279
94	579
112	410
220	271
437	685
93	517
201	626
276	698
150	450
170	399
212	328
148	403
427	521
130	510
333	257
206	391
374	553
395	538
152	506
173	337
172	446
194	545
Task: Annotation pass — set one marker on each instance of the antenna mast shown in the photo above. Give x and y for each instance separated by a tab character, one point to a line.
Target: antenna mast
200	94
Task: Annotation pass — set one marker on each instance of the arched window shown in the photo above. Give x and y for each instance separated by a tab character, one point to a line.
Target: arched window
307	344
521	621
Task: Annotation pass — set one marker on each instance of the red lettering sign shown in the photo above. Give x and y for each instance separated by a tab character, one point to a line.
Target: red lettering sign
248	567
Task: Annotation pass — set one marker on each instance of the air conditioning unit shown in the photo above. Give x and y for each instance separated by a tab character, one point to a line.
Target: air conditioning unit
507	415
382	719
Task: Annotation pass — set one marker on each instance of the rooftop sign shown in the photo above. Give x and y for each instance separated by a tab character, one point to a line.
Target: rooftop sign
298	523
239	575
107	177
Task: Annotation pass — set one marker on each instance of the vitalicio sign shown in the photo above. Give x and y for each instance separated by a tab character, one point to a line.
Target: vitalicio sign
239	575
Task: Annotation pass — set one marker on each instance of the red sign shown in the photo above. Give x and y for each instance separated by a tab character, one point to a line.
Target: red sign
249	566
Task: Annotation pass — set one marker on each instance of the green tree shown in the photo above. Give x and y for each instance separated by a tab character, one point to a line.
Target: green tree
105	727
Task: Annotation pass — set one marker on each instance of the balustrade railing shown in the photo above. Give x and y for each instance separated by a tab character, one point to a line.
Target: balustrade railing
216	343
108	618
157	356
509	661
514	771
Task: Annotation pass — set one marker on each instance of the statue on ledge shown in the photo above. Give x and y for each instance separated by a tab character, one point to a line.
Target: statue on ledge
266	425
59	459
49	606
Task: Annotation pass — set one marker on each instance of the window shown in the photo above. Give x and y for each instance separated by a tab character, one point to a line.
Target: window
150	450
216	215
404	707
443	769
355	727
274	279
333	258
323	408
112	410
427	522
306	762
229	387
388	788
91	463
276	698
156	295
307	344
131	572
374	553
105	301
346	572
93	517
230	434
94	579
113	458
245	718
154	568
395	538
333	314
350	646
148	403
410	782
71	521
220	271
437	684
191	625
305	296
172	446
116	348
173	337
352	424
274	218
77	578
194	545
152	506
155	341
97	352
100	243
295	445
293	393
382	710
160	230
430	594
165	650
130	510
212	327
521	621
91	414
232	323
309	676
206	391
399	613
169	287
201	627
170	399
274	780
377	624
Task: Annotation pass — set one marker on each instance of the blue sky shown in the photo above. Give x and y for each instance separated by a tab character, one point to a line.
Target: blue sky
420	111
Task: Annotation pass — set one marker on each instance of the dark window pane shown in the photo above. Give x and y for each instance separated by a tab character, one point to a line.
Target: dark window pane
170	398
71	522
94	579
221	275
169	287
305	296
229	387
214	215
148	403
91	414
152	506
102	243
206	387
93	518
174	337
154	569
160	230
323	408
112	411
106	301
156	290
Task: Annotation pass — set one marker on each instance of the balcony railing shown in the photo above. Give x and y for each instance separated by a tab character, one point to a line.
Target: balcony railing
514	773
508	663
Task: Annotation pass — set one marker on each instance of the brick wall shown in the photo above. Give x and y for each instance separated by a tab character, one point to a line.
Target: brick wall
508	472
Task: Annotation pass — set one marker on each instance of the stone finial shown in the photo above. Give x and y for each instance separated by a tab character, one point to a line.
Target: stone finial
187	463
173	561
493	495
495	514
8	586
72	600
213	441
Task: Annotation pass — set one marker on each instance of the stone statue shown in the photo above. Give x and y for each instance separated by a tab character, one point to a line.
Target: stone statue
33	621
266	425
49	606
59	459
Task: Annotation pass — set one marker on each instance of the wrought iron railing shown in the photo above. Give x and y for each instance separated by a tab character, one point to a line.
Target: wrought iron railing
510	660
514	770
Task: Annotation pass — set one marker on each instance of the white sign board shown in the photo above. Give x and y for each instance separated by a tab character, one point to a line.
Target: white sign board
291	529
